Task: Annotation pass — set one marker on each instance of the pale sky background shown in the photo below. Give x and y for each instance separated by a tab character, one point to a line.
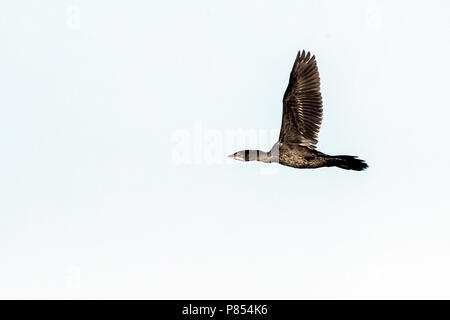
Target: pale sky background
93	205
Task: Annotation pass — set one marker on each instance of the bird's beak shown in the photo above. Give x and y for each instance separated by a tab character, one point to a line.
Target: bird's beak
231	156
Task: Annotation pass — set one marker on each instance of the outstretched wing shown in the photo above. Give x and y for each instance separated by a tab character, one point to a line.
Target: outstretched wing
302	103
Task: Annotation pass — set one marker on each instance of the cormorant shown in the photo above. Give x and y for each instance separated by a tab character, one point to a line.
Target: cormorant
302	117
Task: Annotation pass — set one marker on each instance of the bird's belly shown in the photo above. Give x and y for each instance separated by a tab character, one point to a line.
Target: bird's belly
293	160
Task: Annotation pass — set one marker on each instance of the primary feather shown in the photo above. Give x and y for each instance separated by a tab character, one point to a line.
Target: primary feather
302	103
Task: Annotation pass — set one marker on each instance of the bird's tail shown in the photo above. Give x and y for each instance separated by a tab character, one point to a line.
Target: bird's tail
347	162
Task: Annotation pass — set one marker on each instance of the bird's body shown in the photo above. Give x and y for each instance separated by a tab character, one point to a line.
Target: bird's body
294	155
302	117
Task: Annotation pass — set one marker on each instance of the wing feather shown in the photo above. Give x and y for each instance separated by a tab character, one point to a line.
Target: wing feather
302	103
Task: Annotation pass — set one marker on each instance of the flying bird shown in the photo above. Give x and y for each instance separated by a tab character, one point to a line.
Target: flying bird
302	117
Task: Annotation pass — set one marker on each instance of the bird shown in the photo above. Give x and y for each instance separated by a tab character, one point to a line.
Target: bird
300	125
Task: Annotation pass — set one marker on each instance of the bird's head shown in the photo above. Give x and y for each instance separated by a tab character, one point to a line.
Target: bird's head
240	155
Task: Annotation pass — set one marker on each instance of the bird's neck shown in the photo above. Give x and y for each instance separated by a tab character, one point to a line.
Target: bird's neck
257	155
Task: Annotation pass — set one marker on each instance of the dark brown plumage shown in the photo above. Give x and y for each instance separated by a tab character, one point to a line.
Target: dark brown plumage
302	117
302	103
